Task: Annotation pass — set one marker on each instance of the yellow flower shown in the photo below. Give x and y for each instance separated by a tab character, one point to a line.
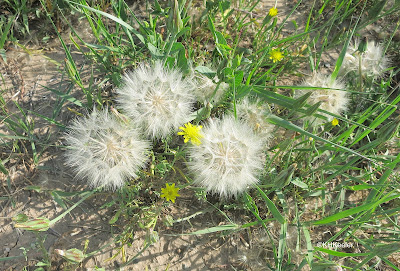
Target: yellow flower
191	132
335	122
276	55
273	12
170	192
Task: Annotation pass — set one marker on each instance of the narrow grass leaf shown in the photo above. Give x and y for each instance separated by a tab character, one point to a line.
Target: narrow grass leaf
58	199
355	210
284	123
115	19
3	168
10	258
228	227
282	245
271	206
339	253
52	121
310	249
14	137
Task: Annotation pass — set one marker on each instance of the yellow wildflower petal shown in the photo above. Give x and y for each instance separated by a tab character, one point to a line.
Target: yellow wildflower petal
191	132
273	12
276	55
170	192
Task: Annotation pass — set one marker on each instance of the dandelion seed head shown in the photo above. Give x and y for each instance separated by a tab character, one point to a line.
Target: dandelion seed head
373	60
229	158
332	95
104	150
205	88
156	98
255	114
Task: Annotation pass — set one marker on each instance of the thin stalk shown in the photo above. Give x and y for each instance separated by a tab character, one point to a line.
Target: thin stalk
360	72
89	193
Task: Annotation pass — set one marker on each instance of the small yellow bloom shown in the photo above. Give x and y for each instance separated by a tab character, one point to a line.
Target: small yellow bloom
335	122
276	55
191	132
170	192
273	12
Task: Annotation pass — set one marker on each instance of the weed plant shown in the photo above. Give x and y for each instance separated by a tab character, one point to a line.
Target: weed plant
239	112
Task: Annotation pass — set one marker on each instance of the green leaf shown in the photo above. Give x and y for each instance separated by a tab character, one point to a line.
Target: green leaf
115	19
313	109
20	218
58	199
176	47
340	254
34	188
66	96
238	77
155	52
41	264
284	123
10	258
242	91
374	12
3	54
52	121
3	168
355	210
359	187
6	32
115	217
301	101
299	183
271	206
228	227
207	71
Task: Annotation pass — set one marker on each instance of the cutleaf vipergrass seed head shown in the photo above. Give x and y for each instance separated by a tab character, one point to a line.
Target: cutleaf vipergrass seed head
255	114
156	98
373	60
105	150
332	96
206	90
229	159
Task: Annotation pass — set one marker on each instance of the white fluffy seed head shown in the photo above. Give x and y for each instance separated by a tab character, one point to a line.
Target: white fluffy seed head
229	159
156	98
255	114
334	99
373	61
104	150
205	88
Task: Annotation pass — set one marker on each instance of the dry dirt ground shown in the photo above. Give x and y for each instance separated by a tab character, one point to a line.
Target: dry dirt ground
28	75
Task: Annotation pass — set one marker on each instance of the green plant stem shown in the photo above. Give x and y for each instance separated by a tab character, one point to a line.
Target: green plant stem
44	251
360	72
170	44
89	193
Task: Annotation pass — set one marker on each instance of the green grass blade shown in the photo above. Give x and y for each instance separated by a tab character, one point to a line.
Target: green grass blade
355	210
339	253
228	227
271	206
284	123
